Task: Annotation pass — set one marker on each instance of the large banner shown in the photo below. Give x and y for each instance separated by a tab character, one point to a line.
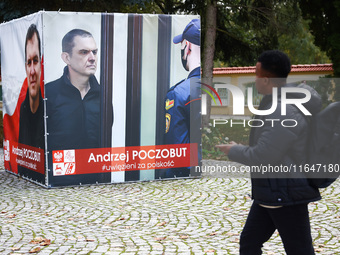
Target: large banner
114	98
23	91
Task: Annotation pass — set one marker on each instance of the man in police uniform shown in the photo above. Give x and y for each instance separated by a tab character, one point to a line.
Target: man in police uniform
182	111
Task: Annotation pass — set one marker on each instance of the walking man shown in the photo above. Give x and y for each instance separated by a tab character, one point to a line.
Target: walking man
280	200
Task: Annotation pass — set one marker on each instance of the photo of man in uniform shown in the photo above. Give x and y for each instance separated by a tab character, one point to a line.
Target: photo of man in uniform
183	120
31	123
73	100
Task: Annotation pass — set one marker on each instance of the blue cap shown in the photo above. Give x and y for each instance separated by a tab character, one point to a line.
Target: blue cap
191	33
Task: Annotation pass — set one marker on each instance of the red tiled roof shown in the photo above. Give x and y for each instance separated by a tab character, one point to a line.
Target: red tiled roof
312	68
295	68
234	70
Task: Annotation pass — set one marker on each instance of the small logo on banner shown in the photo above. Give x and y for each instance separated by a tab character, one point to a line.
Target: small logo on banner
70	168
169	104
167	124
64	162
6	150
57	169
69	156
58	156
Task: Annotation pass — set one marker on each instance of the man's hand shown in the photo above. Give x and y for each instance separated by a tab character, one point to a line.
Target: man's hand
226	147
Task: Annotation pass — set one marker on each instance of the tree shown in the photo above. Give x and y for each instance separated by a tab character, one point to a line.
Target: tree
325	26
209	50
245	28
300	46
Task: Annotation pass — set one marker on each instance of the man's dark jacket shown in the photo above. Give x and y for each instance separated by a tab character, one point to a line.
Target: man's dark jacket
73	122
31	125
32	133
276	146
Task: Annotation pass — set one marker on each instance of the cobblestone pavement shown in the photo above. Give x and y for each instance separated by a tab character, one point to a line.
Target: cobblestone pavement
187	216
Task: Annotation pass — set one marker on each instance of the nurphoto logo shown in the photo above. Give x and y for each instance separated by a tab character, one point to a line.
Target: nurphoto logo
238	100
238	105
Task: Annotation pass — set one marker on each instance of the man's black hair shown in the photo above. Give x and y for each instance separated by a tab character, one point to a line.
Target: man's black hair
30	33
68	40
275	62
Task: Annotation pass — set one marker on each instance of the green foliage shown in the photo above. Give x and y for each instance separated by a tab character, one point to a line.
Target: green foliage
220	134
141	6
325	26
325	86
300	47
248	27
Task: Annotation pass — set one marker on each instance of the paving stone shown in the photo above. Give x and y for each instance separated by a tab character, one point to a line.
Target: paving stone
187	216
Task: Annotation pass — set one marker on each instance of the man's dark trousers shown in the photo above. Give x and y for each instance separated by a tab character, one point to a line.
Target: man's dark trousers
293	225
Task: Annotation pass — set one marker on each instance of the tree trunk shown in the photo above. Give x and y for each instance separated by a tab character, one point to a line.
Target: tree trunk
208	53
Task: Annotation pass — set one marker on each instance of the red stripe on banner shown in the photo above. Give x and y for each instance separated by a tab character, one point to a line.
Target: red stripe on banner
194	156
29	157
89	161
